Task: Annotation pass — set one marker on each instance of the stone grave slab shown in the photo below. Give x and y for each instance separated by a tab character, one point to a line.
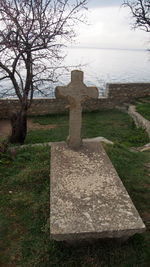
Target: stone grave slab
87	198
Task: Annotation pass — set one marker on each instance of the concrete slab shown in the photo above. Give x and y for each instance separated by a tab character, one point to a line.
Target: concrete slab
87	198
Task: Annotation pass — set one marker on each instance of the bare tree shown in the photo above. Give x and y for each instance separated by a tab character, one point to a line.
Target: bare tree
140	10
31	39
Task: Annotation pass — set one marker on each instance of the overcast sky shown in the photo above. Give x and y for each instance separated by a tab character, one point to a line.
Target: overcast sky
110	27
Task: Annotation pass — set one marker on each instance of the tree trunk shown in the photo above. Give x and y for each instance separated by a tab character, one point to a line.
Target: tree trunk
19	127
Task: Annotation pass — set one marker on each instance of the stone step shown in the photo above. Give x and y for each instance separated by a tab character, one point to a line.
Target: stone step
87	198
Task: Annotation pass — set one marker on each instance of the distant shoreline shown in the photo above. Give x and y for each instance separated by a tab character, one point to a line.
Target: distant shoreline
111	48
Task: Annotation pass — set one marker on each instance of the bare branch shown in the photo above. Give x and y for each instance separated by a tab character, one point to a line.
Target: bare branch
31	38
4	77
140	10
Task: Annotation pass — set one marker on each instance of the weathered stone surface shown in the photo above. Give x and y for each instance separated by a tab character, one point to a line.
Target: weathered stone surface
76	92
88	199
98	139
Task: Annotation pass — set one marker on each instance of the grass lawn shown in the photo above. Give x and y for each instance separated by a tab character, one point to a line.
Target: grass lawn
24	219
112	124
143	107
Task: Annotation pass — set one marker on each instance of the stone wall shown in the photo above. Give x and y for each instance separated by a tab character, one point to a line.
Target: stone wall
115	95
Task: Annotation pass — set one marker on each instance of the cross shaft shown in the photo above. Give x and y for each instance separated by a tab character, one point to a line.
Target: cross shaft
76	92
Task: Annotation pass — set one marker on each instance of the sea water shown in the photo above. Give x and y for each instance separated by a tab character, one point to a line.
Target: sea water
102	66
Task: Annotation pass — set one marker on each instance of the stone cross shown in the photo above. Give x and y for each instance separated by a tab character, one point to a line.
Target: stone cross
76	92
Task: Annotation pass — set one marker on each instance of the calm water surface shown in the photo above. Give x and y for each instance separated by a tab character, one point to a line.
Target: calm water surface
103	66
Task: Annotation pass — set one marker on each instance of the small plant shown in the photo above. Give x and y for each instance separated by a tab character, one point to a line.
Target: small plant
3	146
4	154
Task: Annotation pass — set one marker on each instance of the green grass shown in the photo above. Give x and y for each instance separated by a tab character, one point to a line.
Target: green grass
111	124
131	168
24	198
51	119
24	208
144	110
58	133
25	214
114	125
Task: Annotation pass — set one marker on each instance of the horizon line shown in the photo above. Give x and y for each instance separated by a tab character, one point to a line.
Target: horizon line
108	48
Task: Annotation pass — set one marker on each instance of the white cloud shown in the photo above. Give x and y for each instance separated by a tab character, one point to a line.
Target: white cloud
104	3
110	27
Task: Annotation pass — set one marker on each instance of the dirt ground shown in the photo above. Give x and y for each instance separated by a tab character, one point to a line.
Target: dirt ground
5	127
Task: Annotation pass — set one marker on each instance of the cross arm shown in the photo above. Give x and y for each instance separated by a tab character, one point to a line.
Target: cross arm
60	92
92	92
63	92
